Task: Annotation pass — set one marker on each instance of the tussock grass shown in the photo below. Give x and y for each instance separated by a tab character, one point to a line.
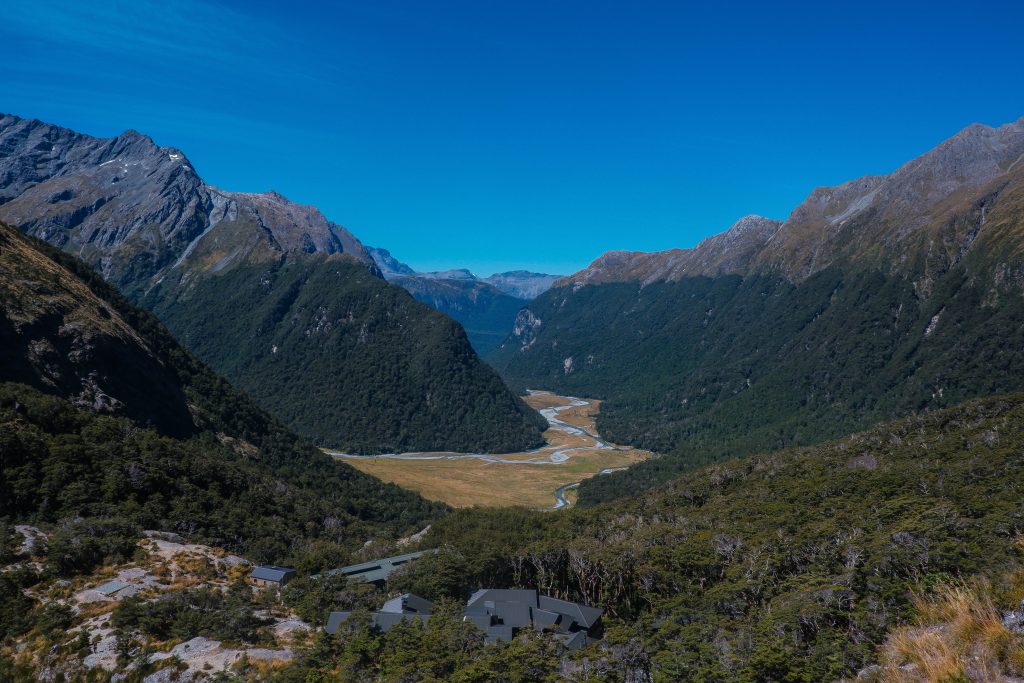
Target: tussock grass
959	636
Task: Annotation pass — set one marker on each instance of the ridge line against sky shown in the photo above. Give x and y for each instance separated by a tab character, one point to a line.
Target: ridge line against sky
505	135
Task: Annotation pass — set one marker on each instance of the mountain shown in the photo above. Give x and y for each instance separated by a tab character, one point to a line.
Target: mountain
880	297
104	416
486	307
284	302
134	210
522	284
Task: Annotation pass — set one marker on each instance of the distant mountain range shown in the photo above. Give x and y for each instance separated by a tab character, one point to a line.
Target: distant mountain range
287	304
879	297
486	307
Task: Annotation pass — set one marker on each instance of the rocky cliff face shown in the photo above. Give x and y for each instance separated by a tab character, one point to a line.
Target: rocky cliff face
135	210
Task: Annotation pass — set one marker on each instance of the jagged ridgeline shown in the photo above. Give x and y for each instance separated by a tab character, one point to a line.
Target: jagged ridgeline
286	304
103	415
880	297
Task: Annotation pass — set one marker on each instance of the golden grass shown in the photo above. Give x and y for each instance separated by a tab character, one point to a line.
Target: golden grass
469	482
959	636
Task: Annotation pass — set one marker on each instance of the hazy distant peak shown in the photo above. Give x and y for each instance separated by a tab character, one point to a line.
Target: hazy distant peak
522	284
452	274
389	266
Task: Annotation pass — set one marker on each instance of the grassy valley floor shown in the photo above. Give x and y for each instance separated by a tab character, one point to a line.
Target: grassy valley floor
573	452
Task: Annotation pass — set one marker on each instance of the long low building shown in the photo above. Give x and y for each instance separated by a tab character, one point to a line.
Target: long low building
375	571
500	613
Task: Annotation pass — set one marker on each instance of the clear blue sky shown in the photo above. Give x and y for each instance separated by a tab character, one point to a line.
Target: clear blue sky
502	134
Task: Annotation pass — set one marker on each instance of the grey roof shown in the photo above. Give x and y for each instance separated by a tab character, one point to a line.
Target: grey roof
482	622
335	620
573	641
543	619
496	595
375	570
513	614
498	633
269	572
408	603
582	614
385	621
478	610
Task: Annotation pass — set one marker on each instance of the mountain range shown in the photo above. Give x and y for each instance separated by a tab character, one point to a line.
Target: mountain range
485	307
287	304
883	296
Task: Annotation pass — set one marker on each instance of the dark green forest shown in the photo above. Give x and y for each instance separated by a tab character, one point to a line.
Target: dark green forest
286	502
706	369
346	359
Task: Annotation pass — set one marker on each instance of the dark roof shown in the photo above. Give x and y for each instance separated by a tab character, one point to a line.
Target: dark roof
335	620
478	610
496	595
498	633
582	614
482	622
543	619
408	603
269	572
385	621
573	641
513	614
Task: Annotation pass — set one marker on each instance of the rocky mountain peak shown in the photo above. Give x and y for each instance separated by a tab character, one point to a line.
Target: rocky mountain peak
134	209
926	205
727	252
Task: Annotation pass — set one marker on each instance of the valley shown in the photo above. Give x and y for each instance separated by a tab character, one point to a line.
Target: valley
542	478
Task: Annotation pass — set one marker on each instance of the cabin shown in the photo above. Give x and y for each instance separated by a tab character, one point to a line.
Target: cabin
271	576
500	613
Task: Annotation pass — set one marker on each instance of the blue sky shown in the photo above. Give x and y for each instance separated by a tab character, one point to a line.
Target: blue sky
496	135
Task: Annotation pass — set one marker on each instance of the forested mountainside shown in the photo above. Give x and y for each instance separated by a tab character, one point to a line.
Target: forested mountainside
880	297
788	566
347	359
486	313
486	308
142	216
84	435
